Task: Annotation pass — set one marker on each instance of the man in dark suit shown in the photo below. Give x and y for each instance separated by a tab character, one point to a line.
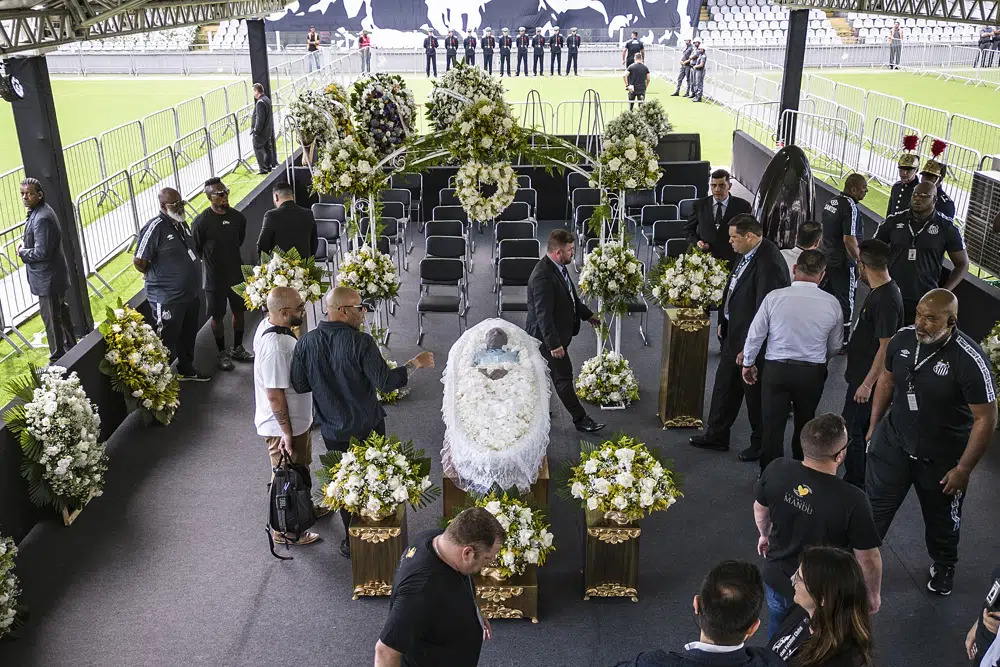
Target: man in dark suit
288	225
45	267
554	315
761	269
708	225
262	131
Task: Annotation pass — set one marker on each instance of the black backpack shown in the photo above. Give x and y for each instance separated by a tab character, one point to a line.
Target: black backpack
291	508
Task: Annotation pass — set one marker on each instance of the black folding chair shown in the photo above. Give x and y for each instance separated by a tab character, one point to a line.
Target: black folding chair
453	247
636	199
396	203
686	208
663	231
649	215
448	197
515	246
513	274
518	210
437	271
676	247
444	228
456	213
529	197
523	181
673	194
573	182
330	220
415	184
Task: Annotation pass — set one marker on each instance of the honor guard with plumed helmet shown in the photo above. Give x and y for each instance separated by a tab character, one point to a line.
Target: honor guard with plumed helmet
899	196
934	172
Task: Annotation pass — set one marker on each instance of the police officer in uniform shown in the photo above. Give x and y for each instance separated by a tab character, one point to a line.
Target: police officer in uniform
685	71
450	50
538	50
470	48
573	48
698	70
843	230
555	52
489	43
522	51
632	47
430	48
902	190
995	58
918	239
985	45
933	415
505	44
933	173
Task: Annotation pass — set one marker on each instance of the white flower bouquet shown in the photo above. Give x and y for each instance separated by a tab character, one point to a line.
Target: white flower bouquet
991	346
370	273
394	396
372	478
314	116
626	164
607	379
655	116
472	176
692	280
138	363
11	613
339	108
348	167
623	479
282	269
58	428
630	124
528	540
470	82
485	131
613	274
384	110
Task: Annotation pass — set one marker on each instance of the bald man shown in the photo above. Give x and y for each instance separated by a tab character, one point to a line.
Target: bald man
918	239
933	414
343	368
283	416
165	256
843	230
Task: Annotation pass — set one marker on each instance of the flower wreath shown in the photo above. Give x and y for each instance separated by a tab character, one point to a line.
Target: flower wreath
472	175
348	167
470	82
339	108
626	164
313	113
607	379
484	131
384	110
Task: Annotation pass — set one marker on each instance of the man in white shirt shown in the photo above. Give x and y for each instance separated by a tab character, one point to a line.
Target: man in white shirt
283	416
807	237
803	326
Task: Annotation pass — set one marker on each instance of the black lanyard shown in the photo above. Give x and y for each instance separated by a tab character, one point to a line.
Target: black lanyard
913	237
918	364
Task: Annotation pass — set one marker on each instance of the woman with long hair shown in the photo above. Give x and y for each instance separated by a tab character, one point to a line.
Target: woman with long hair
831	627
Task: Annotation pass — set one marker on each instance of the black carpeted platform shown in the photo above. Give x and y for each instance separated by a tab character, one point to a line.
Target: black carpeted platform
171	566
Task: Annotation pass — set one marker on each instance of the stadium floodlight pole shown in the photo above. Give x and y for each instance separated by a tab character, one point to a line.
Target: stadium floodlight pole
791	80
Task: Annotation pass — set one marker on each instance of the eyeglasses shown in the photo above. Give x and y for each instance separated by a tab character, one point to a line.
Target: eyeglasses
837	453
177	205
796	578
920	195
219	193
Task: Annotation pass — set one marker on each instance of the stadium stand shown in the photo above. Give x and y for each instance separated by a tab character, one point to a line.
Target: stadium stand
231	36
177	39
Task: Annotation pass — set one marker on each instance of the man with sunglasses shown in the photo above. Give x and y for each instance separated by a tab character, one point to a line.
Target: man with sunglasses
219	232
165	256
343	368
802	504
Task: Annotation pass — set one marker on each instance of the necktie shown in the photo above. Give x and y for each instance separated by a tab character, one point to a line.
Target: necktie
718	213
569	283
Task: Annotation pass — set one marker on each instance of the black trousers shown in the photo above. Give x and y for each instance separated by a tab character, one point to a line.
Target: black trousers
841	282
555	63
58	325
504	58
561	371
488	61
177	324
571	60
449	60
890	474
432	62
263	148
470	58
857	416
539	65
341	446
632	97
522	58
728	393
788	385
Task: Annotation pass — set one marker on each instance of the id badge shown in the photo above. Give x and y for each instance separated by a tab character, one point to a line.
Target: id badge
191	255
911	400
912	255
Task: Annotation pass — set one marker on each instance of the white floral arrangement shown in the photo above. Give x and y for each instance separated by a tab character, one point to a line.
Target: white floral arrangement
370	273
528	540
281	269
10	589
623	479
138	363
629	124
58	428
384	110
695	279
467	81
485	131
348	167
394	396
374	477
626	164
472	176
607	379
991	346
655	115
314	116
612	273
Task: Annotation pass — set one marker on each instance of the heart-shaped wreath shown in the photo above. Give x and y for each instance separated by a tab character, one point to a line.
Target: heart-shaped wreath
472	176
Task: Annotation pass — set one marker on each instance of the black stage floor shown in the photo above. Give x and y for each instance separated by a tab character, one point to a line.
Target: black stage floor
171	566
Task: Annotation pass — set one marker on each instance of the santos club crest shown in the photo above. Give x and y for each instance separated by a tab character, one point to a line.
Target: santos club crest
941	368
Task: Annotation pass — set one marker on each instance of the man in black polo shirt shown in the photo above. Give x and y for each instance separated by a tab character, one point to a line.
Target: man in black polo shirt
632	48
636	81
433	617
880	318
918	239
803	504
938	397
219	232
842	231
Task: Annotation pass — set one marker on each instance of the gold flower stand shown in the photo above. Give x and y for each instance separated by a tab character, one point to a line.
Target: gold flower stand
611	557
376	547
514	597
455	498
683	364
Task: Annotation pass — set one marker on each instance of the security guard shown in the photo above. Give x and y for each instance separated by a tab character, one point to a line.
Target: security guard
691	63
505	44
933	415
470	48
430	48
918	239
573	46
538	44
685	71
902	190
632	47
700	62
933	172
450	50
522	51
843	230
985	45
489	43
555	51
995	61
